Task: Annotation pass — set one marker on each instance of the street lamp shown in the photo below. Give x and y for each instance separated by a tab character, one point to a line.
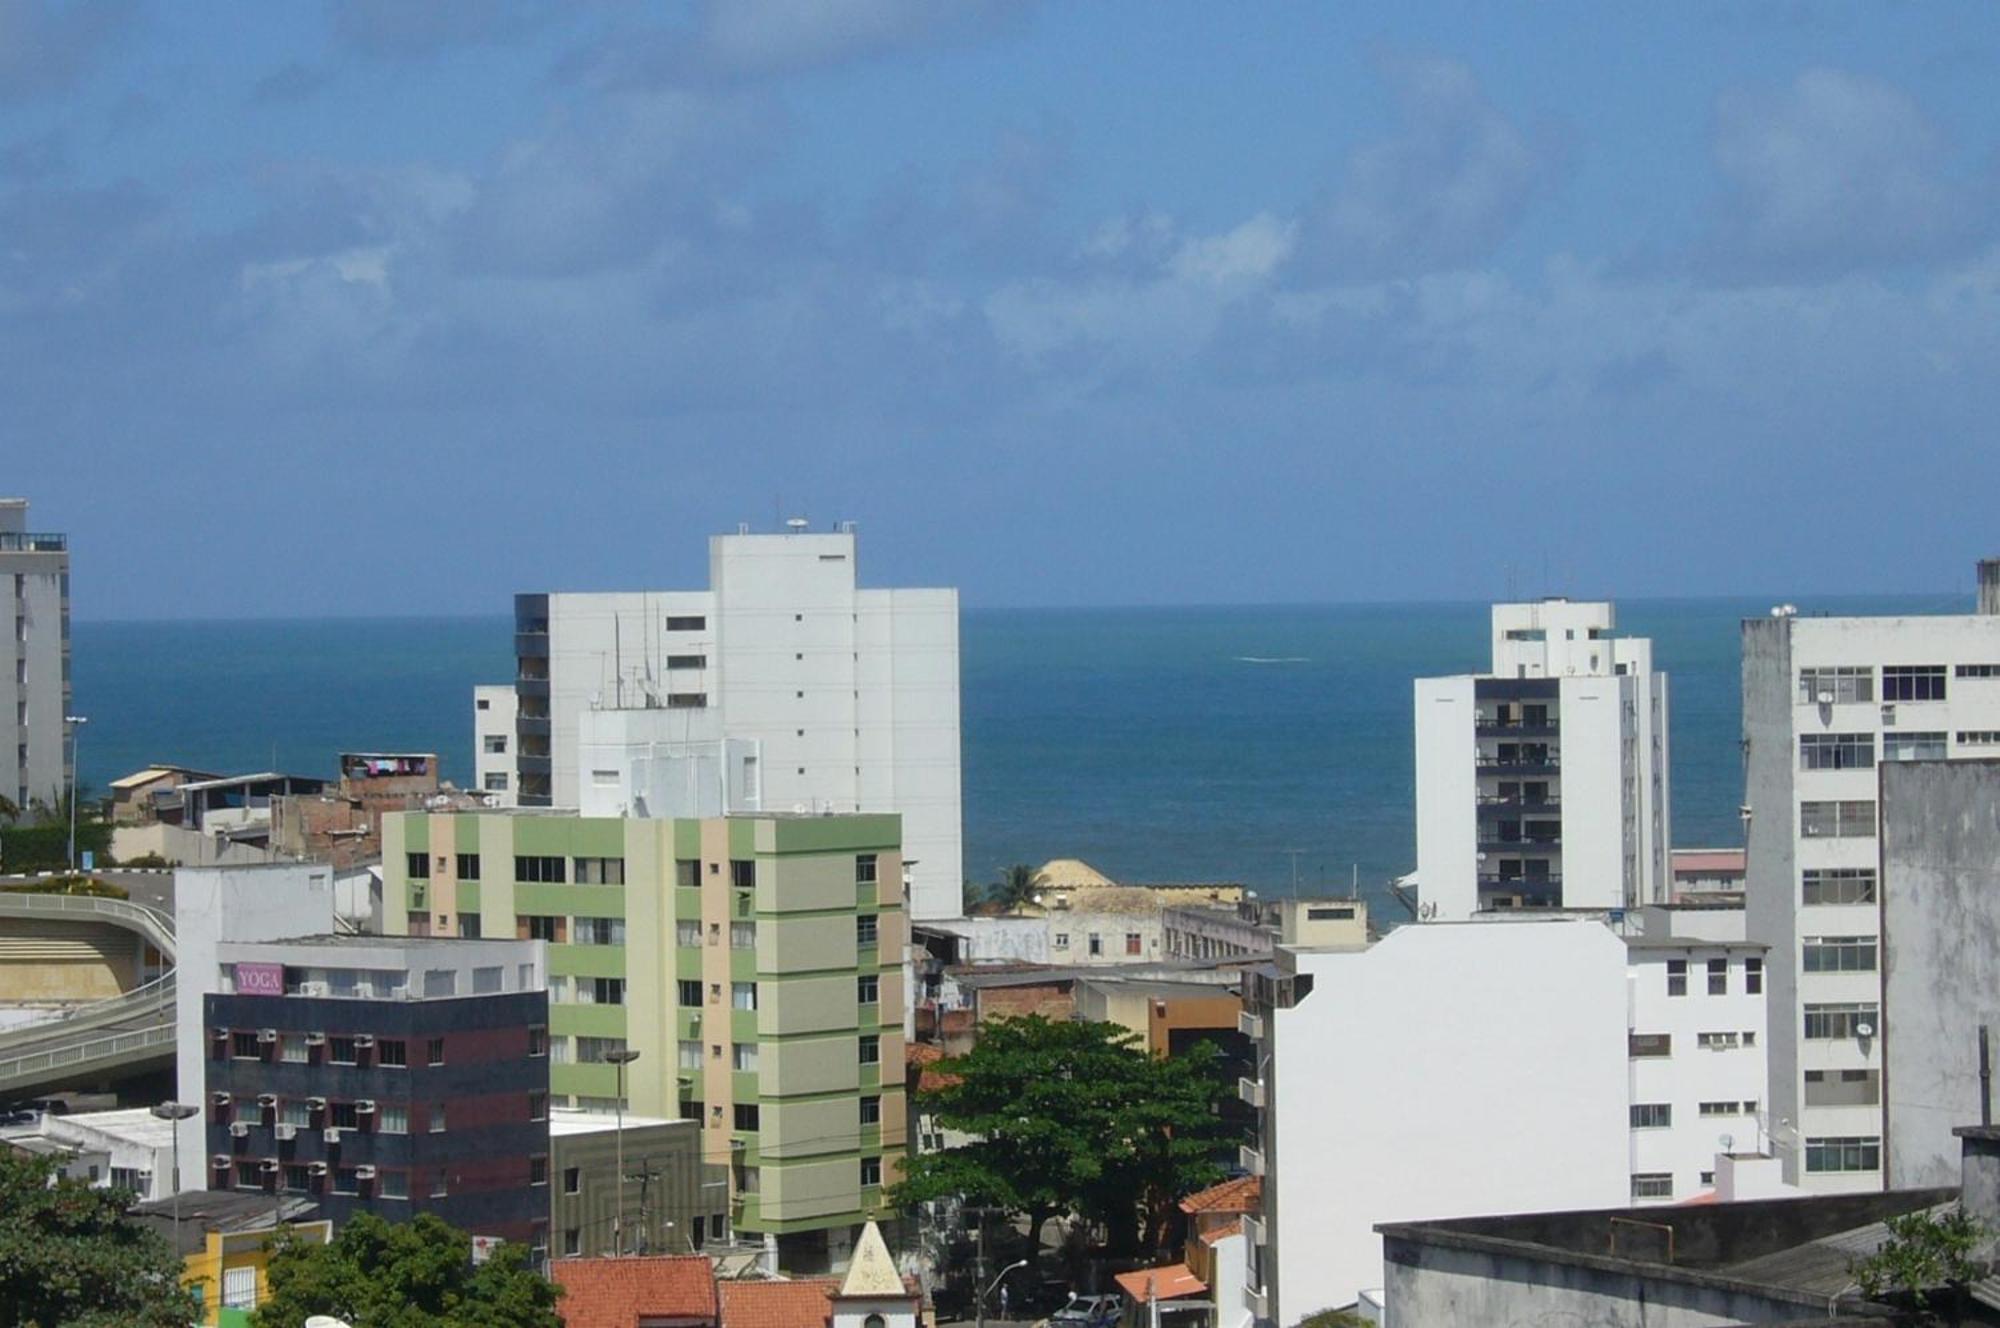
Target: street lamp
621	1058
174	1113
76	723
979	1310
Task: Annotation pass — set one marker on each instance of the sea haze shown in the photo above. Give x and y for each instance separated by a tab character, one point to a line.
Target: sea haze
1158	743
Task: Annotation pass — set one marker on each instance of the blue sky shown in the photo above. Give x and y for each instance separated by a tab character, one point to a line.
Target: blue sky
398	308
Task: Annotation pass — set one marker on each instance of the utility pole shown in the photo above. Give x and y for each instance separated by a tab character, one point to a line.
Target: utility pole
645	1175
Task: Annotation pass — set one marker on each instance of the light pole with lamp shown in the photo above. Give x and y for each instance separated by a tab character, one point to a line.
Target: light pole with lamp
76	723
621	1058
979	1309
173	1113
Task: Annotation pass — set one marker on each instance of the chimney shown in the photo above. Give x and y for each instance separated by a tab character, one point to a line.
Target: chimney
1979	1173
1989	585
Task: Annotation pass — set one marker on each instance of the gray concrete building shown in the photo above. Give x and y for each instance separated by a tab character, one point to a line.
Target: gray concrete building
672	1202
34	673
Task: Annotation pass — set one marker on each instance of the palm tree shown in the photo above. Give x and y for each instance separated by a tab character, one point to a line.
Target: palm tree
1015	887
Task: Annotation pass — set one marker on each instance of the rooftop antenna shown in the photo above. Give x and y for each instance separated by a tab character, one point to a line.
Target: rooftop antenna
1294	852
617	663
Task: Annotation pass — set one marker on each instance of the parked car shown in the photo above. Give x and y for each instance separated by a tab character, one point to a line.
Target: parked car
1088	1312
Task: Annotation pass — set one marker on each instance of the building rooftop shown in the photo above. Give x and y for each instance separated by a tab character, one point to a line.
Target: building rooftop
1689	943
135	1125
1168	1282
1708	859
804	1303
668	1289
203	1211
1245	1194
566	1121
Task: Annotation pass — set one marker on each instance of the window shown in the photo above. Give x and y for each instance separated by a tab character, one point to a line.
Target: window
496	781
1837	820
393	1053
601	991
871	1050
1717	1041
864	868
298	1178
572	1180
392	1184
1649	1044
1133	943
1853	1153
688	622
743	873
689	1055
1718	977
1677	977
434	1051
1096	946
543	927
239	1288
871	1171
687	933
687	661
687	700
346	1180
437	1118
1730	1108
417	865
871	1110
868	989
1836	751
538	1040
743	1055
592	1050
1977	671
600	871
1753	976
1846	1020
245	1047
295	1111
599	931
538	1169
1061	940
468	929
343	1115
392	1118
1914	747
864	929
439	1187
248	1176
1912	682
1839	954
1652	1185
494	744
572	1241
539	870
292	1049
743	995
746	1116
689	993
340	1050
1652	1115
1836	686
1839	885
687	873
1979	738
468	866
742	935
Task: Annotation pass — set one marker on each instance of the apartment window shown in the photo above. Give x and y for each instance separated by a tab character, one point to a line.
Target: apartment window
1096	945
1977	671
540	870
687	873
593	1050
1839	954
689	622
1979	738
746	1116
1133	943
239	1288
572	1241
864	869
1838	885
600	931
1652	1115
1912	682
1845	1020
1730	1108
538	1040
602	991
494	744
868	989
469	928
292	1049
742	935
417	865
1652	1185
871	1171
1914	747
392	1184
1061	941
346	1180
343	1115
689	993
1640	1045
538	1169
871	1050
440	1188
1836	751
743	1056
572	1180
434	1051
437	1118
340	1050
1837	820
743	995
687	934
687	661
496	781
247	1176
1753	976
1836	686
600	871
689	1055
743	873
392	1118
543	927
298	1179
864	929
1718	1041
871	1110
687	700
1718	977
1849	1153
245	1047
1677	977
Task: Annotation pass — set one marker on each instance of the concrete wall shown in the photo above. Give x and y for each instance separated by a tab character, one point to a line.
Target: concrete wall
1940	957
1771	874
1447	797
55	961
1594	810
34	621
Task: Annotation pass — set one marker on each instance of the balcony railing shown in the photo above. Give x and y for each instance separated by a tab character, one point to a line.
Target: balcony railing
531	645
1487	727
1519	765
1513	802
1532	891
15	541
1520	846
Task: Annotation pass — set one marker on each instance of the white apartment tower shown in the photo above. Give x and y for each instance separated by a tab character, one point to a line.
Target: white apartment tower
1544	783
782	687
34	675
1825	700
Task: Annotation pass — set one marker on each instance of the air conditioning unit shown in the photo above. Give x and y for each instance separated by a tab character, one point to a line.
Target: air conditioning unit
287	1133
267	1099
219	1099
365	1107
364	1039
331	1134
315	1168
269	1165
267	1035
364	1173
240	1130
312	989
221	1162
315	1039
316	1104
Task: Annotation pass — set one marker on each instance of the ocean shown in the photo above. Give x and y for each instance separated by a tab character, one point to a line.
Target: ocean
1267	745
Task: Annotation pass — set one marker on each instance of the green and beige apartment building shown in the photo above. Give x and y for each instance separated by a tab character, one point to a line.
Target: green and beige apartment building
754	962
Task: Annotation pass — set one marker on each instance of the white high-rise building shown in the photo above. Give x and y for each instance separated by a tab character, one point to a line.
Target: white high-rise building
1544	783
782	687
1825	700
34	681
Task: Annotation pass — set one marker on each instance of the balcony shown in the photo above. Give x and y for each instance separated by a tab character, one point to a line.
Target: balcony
531	688
1487	727
19	542
531	726
1532	892
532	765
1525	763
1251	1091
1495	803
531	645
1522	847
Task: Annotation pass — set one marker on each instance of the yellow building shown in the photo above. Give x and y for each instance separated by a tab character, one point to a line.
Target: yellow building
224	1245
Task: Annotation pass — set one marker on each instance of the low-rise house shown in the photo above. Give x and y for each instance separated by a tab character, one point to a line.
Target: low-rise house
224	1245
1253	927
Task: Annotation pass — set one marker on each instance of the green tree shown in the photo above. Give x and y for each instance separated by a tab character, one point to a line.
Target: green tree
1926	1252
70	1256
1015	886
416	1274
1071	1117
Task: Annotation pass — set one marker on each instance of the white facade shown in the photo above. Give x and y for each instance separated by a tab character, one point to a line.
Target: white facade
1458	1068
665	763
34	681
1698	1042
1824	701
137	1145
493	709
1544	783
849	695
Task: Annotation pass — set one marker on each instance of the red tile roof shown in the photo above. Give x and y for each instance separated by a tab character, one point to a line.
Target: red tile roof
613	1293
1245	1194
804	1303
1223	1232
926	1055
1169	1282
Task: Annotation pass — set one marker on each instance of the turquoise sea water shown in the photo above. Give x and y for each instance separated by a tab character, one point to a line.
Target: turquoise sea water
1159	744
